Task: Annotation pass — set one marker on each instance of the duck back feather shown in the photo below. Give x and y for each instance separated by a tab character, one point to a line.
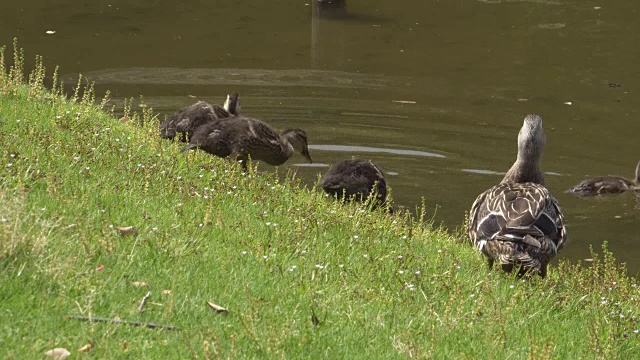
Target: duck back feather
357	179
242	138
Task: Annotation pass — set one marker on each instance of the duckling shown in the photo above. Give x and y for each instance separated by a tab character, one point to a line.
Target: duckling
518	222
242	138
356	179
185	121
606	185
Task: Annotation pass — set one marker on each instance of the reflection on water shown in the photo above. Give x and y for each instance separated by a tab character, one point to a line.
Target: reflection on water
367	149
431	91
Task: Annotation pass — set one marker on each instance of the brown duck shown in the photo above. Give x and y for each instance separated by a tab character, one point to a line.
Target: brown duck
185	121
242	138
606	185
518	223
355	178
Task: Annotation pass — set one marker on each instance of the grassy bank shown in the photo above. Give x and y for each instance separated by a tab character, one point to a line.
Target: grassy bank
302	277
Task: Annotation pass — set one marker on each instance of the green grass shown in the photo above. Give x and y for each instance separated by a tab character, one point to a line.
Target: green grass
301	276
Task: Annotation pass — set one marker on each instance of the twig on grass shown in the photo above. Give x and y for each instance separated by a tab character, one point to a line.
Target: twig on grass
133	323
144	300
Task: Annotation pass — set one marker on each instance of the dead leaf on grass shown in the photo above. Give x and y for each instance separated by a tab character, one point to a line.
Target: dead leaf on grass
87	347
58	353
140	283
217	308
127	230
166	292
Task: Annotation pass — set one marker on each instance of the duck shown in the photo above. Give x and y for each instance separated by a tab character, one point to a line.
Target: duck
242	138
606	185
185	121
355	178
518	222
230	108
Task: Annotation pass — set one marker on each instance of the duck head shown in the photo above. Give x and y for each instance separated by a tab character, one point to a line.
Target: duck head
298	140
232	103
531	139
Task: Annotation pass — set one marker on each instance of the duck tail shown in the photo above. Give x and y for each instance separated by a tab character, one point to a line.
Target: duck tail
189	147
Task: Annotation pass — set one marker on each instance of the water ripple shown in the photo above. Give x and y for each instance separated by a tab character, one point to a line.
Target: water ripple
249	77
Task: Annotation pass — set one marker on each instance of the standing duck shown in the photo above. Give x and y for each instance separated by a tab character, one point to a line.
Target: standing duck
606	185
185	121
518	222
242	138
355	178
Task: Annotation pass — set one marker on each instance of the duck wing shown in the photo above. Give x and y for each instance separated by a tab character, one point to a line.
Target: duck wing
212	138
518	213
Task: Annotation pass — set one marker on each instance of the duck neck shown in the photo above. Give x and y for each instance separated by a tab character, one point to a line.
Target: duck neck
638	174
524	171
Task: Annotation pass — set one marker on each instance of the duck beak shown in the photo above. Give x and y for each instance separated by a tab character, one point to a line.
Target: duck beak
306	154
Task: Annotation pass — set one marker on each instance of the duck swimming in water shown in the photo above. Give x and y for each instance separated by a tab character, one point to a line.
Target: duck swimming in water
518	223
355	178
242	138
606	185
185	121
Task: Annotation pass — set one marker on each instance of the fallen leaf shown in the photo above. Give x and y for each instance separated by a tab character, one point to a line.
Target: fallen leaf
140	283
217	308
100	267
166	292
127	230
87	347
124	119
58	353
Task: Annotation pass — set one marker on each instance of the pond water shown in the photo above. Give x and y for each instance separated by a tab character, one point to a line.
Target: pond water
433	91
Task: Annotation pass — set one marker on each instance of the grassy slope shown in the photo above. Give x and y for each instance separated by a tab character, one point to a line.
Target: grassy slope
272	252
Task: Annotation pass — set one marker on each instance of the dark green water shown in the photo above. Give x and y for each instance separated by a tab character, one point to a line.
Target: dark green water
470	69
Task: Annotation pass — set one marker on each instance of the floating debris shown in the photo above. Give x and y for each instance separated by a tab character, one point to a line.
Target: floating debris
403	101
